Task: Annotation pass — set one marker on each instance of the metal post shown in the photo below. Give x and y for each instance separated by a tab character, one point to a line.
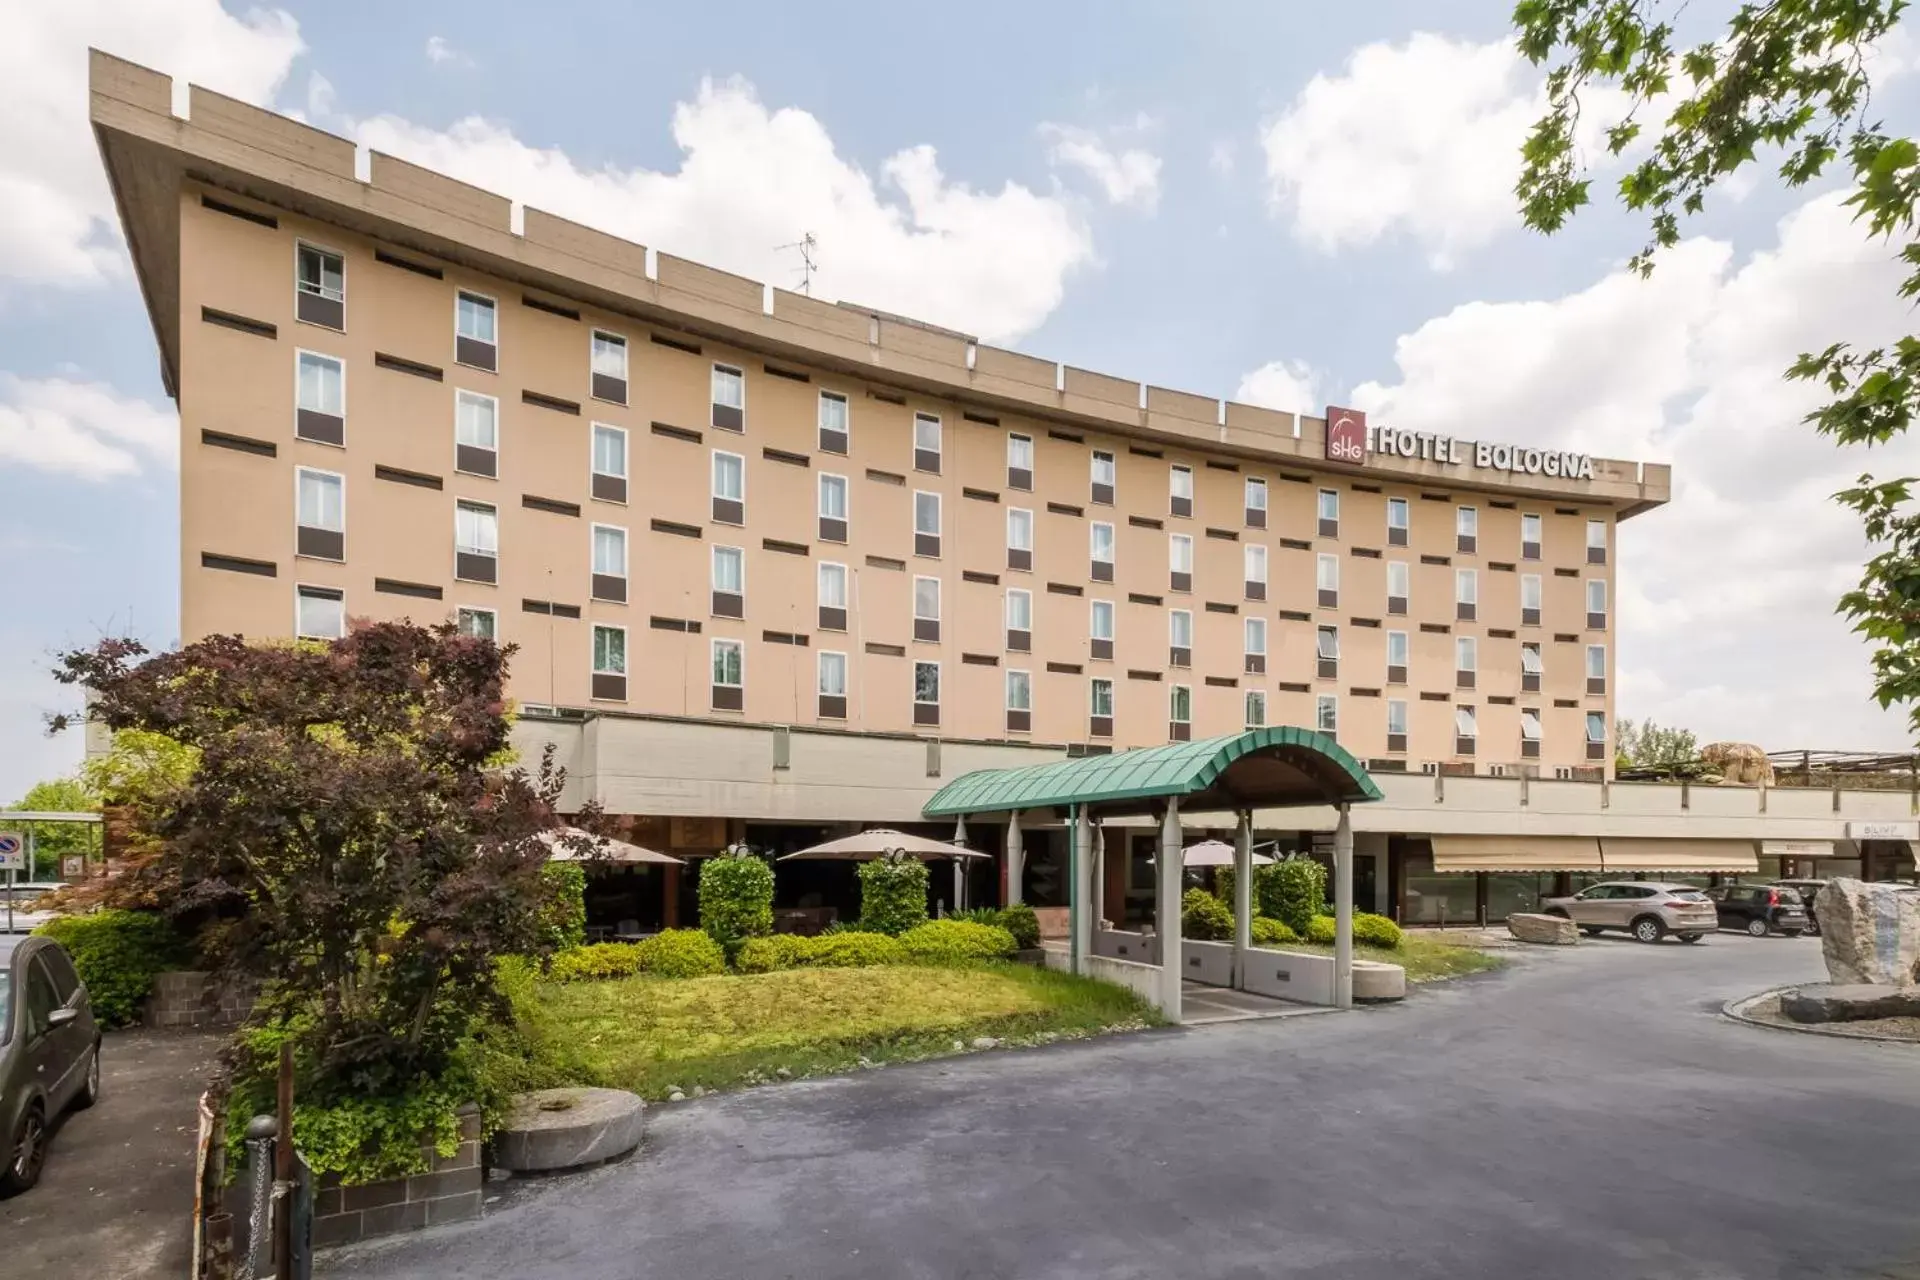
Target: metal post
1242	896
1016	860
1343	911
260	1143
1166	908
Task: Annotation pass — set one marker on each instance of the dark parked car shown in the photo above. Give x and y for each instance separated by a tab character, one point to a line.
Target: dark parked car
49	1052
1808	891
1760	909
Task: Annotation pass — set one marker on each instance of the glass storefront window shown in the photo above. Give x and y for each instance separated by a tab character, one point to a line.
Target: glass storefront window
1439	898
1509	892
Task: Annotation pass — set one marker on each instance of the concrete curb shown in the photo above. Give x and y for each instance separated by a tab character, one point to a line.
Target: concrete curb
1736	1011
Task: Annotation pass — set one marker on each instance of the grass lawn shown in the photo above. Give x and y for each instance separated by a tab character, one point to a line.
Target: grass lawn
1424	957
652	1034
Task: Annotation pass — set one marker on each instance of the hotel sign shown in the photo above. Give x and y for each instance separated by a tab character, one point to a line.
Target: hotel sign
1350	440
1883	831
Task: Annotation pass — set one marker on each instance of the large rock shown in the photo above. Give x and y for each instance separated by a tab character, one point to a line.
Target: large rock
1870	933
1853	1003
567	1128
1738	762
1552	930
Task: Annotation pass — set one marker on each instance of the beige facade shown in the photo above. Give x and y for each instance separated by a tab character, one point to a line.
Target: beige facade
961	490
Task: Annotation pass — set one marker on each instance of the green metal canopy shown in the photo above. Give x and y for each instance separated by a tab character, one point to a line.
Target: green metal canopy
1265	768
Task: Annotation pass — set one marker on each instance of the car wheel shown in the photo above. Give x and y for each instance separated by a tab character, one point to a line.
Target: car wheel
26	1154
90	1092
1649	929
1758	928
1592	930
1687	937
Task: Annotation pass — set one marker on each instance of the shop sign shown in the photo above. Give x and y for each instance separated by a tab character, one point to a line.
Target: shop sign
1883	831
1351	440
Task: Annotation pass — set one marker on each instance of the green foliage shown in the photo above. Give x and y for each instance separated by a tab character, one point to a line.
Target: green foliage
1646	745
118	953
736	897
1018	920
597	960
1204	917
777	951
893	894
1321	929
854	949
563	913
947	941
140	768
1370	930
1272	933
1791	79
54	840
846	926
1290	890
1223	880
681	953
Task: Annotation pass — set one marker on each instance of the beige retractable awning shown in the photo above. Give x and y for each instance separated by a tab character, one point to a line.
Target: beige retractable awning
1692	856
1516	853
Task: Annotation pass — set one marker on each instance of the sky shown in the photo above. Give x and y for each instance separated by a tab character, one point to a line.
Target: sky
1285	204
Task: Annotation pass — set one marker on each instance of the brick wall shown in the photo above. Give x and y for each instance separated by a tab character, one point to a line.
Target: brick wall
189	998
448	1192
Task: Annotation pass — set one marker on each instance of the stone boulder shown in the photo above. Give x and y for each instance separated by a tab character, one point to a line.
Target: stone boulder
1551	930
1850	1003
1738	762
556	1129
1870	932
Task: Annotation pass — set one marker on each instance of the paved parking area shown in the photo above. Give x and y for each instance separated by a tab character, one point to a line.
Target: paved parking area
116	1199
1585	1113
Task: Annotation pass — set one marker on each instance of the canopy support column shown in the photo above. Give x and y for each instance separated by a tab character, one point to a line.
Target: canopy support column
959	870
1016	860
1242	895
1166	905
1082	936
1343	910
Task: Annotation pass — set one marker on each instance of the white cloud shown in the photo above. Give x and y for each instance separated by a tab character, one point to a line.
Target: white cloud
1128	177
1292	385
59	226
1727	619
441	53
751	179
82	429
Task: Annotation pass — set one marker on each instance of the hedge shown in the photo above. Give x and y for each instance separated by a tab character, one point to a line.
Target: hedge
736	898
563	909
1018	920
1376	931
1272	933
1204	918
1293	891
1321	929
118	953
676	953
953	940
893	894
850	949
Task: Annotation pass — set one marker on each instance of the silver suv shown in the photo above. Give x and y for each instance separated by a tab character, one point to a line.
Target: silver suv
1646	909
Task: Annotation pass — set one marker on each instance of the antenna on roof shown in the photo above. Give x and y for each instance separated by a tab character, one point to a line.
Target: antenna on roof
806	245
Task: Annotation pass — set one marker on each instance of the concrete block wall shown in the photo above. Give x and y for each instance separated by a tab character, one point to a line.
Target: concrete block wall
448	1192
190	998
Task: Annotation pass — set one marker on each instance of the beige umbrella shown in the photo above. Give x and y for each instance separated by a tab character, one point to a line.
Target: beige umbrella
1214	853
605	849
879	843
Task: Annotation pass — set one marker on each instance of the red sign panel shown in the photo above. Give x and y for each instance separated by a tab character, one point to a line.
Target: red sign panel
1346	435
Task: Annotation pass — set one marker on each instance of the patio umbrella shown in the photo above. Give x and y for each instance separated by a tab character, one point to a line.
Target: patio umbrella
880	842
606	849
1214	853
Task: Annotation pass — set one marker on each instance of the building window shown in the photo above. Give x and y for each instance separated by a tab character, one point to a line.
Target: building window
1020	462
1529	733
320	398
1100	708
926	693
1103	477
1019	538
1019	620
926	443
729	488
926	609
1100	537
1329	513
481	624
835	426
729	691
1255	560
1596	735
832	680
1256	502
833	507
1398	518
1256	709
1529	536
607	362
1466	661
1100	630
320	287
1180	562
320	515
608	481
610	563
475	340
729	398
1180	638
1596	604
1327	647
832	591
476	434
1180	490
1326	713
1465	731
1596	542
476	542
1396	725
1596	668
1019	701
1180	712
1326	576
320	613
1399	586
729	582
926	524
1466	594
1530	668
610	663
1466	528
1396	657
1530	599
1255	641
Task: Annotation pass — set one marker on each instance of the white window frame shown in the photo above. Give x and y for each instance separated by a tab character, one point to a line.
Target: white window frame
1538	525
1466	653
1253	485
1531	591
820	673
1466	723
593	646
1012	463
1175	542
1254	562
618	340
713	472
1026	596
340	484
938	684
1405	508
1175	713
1466	521
1025	680
303	353
1173	628
1466	586
1600	716
476	507
939	516
1093	619
713	386
1405	647
1601	583
1321	505
1326	572
463	397
1254	626
299	594
1399	569
593	549
846	496
1014	543
593	450
1254	696
1532	651
918	616
1322	649
820	577
1529	724
1093	542
713	569
300	286
463	611
920	420
845	402
1093	696
1596	651
1397	711
493	303
1326	707
1174	472
713	652
1600	527
1112	467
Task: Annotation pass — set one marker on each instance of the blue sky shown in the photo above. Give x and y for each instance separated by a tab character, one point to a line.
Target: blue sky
1283	203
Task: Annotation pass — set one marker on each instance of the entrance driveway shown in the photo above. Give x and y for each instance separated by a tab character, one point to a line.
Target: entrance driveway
1585	1113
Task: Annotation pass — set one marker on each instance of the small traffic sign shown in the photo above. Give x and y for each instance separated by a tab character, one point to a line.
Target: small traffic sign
13	851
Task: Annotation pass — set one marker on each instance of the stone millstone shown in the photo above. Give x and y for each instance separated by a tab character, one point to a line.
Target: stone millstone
1869	932
1850	1003
1551	930
566	1129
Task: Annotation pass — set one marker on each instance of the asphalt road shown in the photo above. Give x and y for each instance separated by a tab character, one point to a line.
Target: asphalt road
1584	1114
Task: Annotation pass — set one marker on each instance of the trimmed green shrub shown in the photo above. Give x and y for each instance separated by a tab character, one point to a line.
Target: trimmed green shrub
1223	878
1204	917
776	951
950	940
844	926
1020	921
1292	891
1376	931
563	912
681	953
1272	933
117	953
736	897
893	894
854	949
597	960
1321	929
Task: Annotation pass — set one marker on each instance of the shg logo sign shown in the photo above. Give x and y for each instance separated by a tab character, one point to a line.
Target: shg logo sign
1346	435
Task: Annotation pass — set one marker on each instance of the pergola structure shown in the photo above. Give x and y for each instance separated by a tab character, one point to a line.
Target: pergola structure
1267	768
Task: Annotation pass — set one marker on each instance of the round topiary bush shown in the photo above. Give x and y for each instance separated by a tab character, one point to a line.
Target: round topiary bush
1376	931
118	953
681	953
1321	929
1272	933
1291	891
776	951
736	897
1020	921
563	907
596	960
945	941
853	949
1204	918
893	894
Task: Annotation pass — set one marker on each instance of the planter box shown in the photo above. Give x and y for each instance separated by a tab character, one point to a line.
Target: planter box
448	1192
